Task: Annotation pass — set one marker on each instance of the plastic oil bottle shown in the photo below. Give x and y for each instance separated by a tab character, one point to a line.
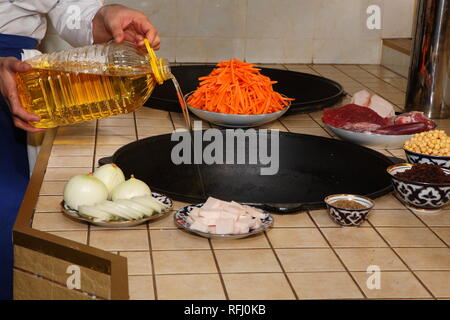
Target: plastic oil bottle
90	82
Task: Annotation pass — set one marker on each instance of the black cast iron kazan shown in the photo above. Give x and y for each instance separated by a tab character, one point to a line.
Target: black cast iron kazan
310	168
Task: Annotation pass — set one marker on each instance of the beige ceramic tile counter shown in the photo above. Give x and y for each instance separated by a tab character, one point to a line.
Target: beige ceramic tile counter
305	255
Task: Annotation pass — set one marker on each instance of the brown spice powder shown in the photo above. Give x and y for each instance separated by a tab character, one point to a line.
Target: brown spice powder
348	204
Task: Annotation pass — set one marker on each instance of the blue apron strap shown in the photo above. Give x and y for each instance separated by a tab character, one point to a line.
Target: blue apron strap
12	45
14	169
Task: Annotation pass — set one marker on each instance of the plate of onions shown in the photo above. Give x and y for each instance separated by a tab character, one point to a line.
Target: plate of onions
104	198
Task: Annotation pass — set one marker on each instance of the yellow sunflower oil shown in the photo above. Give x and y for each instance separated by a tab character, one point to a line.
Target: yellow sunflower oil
88	83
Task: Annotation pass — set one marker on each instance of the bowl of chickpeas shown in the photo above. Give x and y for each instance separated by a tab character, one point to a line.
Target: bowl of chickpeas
432	147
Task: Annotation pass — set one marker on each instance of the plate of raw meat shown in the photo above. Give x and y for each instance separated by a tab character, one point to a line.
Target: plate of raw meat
371	121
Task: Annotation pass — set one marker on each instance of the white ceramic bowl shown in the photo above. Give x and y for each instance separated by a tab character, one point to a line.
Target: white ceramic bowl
371	139
236	120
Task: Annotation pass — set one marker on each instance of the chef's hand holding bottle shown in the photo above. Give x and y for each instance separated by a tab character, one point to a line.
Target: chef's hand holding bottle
110	22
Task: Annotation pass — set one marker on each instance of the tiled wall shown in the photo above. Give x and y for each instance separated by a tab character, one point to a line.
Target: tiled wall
272	31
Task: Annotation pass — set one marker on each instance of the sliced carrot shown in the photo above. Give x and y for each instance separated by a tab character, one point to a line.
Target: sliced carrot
237	87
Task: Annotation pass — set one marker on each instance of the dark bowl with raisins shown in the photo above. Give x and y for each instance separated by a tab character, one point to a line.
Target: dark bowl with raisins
348	210
424	188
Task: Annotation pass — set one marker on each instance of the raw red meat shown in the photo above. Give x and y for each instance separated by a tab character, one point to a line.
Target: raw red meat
405	128
361	126
363	119
353	114
414	117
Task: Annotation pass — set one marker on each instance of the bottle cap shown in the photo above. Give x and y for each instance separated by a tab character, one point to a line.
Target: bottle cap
157	64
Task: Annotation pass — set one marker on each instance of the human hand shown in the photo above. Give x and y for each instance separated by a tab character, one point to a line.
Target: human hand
8	88
121	23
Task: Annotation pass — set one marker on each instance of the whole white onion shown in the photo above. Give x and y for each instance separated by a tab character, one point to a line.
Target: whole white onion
111	175
131	188
84	189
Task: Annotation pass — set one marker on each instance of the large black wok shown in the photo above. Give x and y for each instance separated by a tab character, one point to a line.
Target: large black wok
310	168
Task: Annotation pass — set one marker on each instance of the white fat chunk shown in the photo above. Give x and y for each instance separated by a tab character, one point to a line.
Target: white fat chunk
210	213
206	221
381	106
225	225
221	217
199	227
255	223
234	210
213	203
254	212
245	220
361	98
190	220
241	228
236	205
229	215
195	212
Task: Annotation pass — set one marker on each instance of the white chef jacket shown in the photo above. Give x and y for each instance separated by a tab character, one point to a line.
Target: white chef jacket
71	19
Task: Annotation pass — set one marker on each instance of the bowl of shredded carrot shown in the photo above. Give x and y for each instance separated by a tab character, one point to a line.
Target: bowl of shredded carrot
235	94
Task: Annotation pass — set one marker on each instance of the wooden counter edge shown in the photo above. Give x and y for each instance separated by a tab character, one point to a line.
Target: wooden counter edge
79	254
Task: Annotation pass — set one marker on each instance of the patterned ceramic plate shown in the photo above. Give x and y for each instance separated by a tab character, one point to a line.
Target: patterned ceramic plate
180	218
74	215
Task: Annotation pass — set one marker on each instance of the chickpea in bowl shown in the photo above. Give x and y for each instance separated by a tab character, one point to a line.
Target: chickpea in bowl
432	147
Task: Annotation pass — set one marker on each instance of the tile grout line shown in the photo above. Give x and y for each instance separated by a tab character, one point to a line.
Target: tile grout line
426	225
309	115
155	291
95	145
135	126
222	281
429	228
282	123
323	128
88	240
259	249
281	266
245	30
275	272
404	91
400	258
337	256
317	122
171	121
367	88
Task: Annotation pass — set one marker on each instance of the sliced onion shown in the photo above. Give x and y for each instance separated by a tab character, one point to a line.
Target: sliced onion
131	188
84	190
111	175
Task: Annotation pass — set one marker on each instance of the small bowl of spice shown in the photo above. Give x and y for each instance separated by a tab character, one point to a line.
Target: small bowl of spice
423	187
348	209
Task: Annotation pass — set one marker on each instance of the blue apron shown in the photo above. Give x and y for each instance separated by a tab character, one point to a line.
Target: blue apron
14	169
